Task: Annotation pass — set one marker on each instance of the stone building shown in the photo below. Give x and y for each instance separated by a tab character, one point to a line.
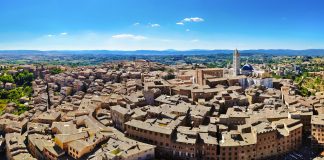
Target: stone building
317	131
203	74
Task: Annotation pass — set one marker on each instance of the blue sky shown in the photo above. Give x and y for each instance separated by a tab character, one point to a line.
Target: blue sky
161	24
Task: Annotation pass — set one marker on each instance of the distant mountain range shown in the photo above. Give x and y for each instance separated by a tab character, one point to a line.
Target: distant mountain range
274	52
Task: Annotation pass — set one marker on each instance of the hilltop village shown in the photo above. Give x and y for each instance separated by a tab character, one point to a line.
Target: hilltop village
141	110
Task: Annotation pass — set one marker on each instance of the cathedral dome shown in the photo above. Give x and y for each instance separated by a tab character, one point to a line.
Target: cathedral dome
247	67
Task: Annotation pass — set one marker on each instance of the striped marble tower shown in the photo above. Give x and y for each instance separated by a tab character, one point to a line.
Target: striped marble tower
236	63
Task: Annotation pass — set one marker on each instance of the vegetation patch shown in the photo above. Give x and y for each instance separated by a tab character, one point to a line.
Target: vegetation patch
18	93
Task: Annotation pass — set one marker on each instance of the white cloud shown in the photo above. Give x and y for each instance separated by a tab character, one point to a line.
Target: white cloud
191	19
186	20
180	23
136	24
155	25
129	36
187	30
60	34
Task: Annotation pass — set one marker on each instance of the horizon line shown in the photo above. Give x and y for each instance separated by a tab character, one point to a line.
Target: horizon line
156	49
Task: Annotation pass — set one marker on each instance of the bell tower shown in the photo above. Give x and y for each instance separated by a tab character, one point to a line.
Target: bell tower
236	63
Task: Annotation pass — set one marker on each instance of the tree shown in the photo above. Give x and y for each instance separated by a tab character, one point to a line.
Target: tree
28	91
170	75
24	78
21	109
318	80
4	94
304	91
14	94
6	78
56	71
